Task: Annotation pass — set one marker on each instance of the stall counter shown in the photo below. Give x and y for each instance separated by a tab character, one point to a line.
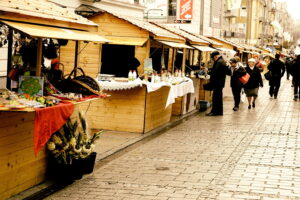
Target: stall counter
131	110
20	169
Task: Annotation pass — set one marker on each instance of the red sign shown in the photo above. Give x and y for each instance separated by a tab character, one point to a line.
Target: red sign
185	9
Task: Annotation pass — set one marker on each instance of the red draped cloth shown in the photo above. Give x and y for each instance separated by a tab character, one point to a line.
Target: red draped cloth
49	120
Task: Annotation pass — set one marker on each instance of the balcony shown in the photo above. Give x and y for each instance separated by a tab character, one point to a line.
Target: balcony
232	13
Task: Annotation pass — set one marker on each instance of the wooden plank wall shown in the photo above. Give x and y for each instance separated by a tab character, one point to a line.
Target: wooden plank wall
177	107
141	53
67	56
113	26
88	59
19	168
123	111
156	112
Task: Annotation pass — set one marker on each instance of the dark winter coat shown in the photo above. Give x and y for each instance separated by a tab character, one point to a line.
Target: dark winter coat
277	69
296	71
235	75
255	79
218	73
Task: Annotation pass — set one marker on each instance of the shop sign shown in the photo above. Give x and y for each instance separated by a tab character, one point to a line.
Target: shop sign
185	9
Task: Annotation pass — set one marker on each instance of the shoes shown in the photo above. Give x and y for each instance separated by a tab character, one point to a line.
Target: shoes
249	107
275	97
235	108
253	105
212	114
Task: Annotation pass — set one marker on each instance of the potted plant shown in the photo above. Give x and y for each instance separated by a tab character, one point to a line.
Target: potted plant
71	150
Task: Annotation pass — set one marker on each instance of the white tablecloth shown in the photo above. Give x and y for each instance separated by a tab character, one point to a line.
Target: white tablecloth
180	90
175	91
114	85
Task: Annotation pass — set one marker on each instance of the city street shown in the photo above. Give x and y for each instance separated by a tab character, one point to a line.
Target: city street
250	154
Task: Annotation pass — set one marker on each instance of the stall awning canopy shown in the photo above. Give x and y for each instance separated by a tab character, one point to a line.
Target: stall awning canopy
203	48
175	44
134	41
55	33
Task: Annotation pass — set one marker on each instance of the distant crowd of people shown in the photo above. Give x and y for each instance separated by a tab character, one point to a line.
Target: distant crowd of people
248	78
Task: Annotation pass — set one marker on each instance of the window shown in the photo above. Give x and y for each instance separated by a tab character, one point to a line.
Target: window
172	7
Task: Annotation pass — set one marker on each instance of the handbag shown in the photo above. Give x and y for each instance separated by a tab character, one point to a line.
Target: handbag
268	75
82	84
244	79
13	74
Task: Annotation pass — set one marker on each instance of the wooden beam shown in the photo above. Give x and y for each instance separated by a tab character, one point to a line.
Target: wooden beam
9	55
39	57
183	60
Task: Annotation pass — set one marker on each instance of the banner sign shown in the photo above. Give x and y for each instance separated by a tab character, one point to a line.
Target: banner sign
185	10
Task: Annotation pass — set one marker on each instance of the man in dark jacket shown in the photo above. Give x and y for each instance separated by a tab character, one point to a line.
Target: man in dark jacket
277	70
217	80
296	77
236	71
288	66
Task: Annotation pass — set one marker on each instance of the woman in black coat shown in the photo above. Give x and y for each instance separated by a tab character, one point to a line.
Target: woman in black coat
255	80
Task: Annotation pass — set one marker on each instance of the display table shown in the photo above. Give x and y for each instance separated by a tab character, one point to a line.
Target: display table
135	106
133	110
20	169
203	94
187	102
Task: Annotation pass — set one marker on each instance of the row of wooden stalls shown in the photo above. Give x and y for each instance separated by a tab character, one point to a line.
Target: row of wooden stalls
104	43
136	109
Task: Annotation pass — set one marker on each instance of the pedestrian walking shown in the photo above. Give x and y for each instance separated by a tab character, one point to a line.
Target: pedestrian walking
236	71
295	72
288	67
277	69
255	80
217	81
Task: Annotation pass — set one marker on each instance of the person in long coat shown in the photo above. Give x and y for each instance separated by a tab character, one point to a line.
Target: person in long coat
236	71
255	80
277	69
217	80
295	71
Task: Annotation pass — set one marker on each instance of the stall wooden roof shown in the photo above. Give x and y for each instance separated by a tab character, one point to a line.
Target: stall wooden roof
227	43
212	42
190	37
158	32
43	12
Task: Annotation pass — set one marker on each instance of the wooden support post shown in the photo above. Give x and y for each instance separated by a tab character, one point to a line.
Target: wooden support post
193	55
39	57
9	55
173	59
76	57
183	60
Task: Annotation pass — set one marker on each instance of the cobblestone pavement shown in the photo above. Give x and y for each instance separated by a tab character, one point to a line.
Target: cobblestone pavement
250	154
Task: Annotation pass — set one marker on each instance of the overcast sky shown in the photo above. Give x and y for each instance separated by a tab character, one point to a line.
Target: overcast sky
293	8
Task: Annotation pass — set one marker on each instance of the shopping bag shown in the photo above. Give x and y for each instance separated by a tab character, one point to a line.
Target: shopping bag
243	96
244	79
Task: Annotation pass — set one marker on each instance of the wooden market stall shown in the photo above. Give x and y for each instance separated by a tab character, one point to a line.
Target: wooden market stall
20	169
188	102
132	110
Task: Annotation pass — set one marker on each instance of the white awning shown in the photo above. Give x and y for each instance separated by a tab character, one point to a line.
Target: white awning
203	48
227	50
175	44
55	33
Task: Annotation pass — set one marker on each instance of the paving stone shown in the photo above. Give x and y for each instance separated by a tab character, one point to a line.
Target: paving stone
249	154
